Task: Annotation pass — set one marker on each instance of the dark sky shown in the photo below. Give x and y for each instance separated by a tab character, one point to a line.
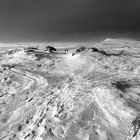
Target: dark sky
54	20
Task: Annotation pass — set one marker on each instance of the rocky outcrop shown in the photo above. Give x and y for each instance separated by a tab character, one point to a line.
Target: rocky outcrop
79	50
50	49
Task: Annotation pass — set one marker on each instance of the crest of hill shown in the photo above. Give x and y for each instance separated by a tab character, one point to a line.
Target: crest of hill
121	42
118	44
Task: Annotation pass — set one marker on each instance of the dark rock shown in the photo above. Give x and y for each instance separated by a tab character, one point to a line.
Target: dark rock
50	49
122	85
81	49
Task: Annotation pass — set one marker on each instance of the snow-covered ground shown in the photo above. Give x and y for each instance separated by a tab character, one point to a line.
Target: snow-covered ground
91	95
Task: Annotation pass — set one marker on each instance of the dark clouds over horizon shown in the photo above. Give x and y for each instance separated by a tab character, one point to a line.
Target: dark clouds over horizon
60	19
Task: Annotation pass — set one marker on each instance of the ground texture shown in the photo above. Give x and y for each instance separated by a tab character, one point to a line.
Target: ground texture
85	94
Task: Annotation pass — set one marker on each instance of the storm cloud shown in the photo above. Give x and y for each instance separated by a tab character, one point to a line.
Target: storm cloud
57	19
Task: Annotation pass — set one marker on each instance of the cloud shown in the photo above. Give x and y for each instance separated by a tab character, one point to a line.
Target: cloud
48	18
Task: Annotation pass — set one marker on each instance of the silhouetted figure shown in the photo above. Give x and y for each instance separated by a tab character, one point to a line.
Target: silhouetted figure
50	49
66	50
